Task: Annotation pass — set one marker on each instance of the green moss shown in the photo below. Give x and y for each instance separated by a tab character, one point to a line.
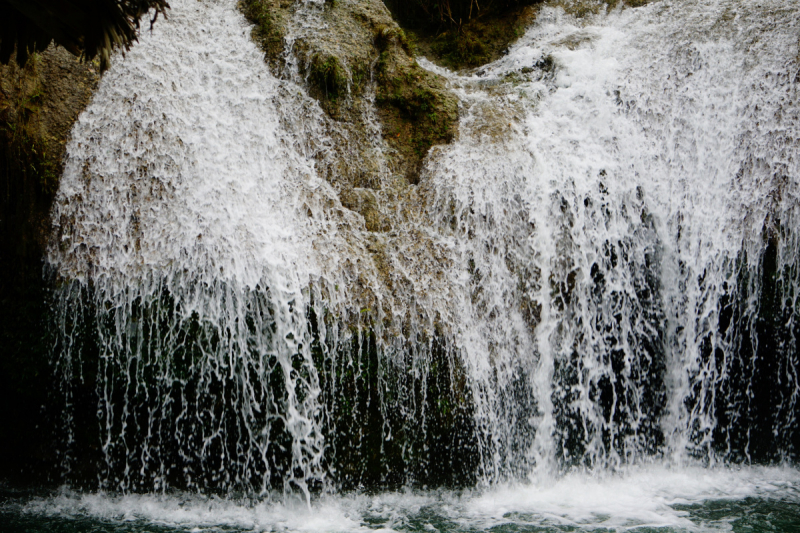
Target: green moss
461	49
364	46
417	111
415	107
386	35
267	28
464	33
449	13
329	76
479	40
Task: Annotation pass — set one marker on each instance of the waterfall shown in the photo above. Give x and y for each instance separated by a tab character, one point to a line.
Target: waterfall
186	238
600	270
624	188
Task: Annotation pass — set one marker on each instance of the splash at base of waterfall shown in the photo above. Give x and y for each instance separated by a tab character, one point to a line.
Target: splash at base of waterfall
650	499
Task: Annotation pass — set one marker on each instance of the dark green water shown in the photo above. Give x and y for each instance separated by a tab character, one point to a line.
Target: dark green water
658	499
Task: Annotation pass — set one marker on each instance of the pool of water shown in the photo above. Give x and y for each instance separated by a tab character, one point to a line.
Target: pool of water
655	499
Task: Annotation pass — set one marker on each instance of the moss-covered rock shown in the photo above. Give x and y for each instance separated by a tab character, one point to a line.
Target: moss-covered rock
269	18
359	54
416	109
329	76
463	33
452	13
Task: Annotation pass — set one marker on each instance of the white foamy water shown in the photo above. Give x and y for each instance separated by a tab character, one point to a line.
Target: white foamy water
618	186
190	201
650	497
601	270
181	163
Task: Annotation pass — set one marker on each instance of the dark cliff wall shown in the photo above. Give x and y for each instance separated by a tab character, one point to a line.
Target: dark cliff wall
38	106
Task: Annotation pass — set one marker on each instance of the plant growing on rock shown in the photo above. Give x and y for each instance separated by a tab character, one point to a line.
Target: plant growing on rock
90	29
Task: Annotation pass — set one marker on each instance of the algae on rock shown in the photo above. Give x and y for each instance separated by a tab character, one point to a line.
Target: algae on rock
416	110
464	33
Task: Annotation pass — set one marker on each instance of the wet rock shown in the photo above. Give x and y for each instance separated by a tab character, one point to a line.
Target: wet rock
354	58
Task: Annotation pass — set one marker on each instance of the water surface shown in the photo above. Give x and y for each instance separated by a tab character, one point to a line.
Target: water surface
654	499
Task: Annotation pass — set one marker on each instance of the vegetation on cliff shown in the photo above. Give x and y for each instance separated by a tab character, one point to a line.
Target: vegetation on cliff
416	110
89	28
464	33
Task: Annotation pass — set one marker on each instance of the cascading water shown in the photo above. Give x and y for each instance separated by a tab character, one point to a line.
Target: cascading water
205	274
624	190
185	240
599	273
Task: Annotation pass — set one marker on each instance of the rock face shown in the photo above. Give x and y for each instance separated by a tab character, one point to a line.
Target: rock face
351	53
384	115
38	105
463	33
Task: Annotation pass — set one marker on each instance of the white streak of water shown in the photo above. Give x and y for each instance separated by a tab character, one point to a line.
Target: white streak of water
609	250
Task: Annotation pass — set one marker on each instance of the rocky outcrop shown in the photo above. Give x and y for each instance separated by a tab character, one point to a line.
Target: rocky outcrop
38	105
351	53
464	33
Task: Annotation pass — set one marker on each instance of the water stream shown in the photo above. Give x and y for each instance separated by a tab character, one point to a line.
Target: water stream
585	314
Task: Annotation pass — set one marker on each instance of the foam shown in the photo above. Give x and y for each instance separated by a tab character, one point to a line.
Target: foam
641	497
